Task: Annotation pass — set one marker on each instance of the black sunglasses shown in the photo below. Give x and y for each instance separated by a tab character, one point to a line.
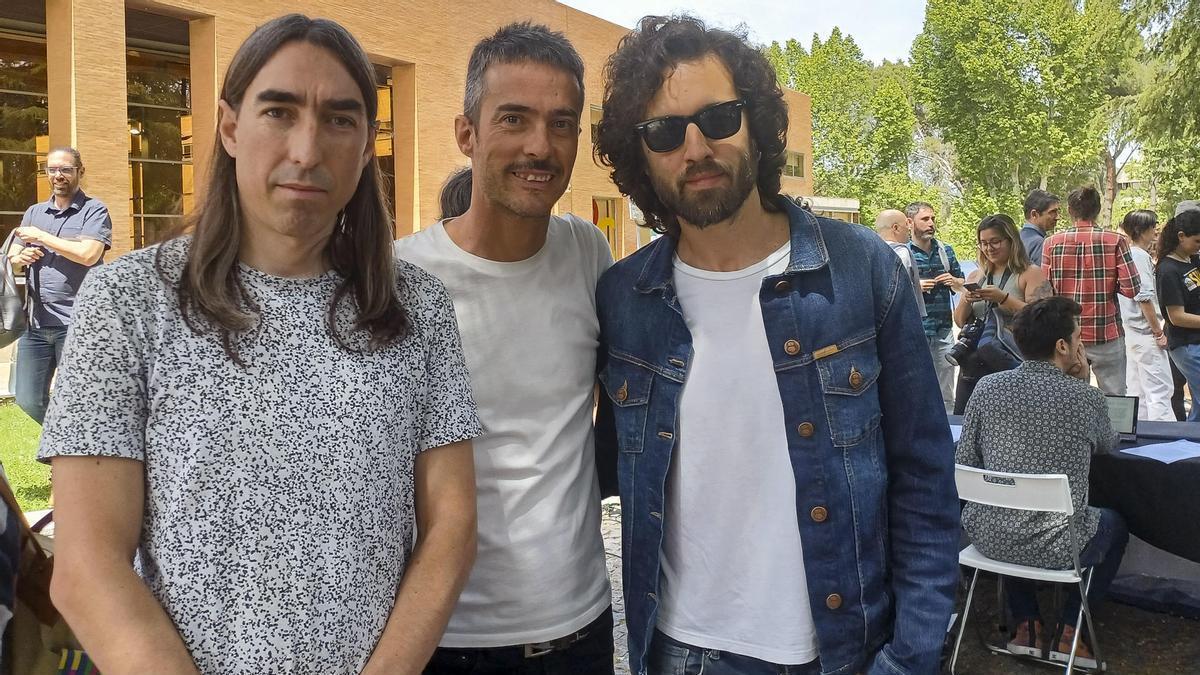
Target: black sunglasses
717	121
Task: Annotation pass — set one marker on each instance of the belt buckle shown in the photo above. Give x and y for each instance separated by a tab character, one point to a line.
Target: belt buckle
533	651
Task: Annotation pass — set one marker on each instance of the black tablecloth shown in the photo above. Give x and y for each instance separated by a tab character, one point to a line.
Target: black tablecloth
1160	502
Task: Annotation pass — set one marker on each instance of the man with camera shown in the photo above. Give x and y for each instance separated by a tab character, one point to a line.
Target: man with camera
58	242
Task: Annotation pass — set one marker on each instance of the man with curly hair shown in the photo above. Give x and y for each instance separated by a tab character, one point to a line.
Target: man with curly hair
783	509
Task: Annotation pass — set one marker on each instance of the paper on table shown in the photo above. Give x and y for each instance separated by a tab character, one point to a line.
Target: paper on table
955	431
1167	452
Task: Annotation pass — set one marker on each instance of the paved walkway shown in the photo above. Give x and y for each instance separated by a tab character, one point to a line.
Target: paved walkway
1135	642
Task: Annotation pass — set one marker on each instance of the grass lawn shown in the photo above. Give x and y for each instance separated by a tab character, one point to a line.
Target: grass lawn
30	479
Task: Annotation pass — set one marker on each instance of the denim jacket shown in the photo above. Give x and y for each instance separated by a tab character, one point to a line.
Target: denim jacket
868	438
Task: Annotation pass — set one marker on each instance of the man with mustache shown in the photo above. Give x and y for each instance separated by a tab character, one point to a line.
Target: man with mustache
58	241
523	285
782	509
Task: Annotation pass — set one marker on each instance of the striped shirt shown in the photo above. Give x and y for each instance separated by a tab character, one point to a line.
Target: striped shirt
1091	266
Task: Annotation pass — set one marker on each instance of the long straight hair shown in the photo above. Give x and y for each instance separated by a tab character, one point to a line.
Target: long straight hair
359	251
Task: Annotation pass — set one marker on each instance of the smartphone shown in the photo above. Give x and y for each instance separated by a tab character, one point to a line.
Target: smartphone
971	286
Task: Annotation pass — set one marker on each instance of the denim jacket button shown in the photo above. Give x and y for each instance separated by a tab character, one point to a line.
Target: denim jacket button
792	347
856	378
834	601
783	287
623	392
805	429
818	514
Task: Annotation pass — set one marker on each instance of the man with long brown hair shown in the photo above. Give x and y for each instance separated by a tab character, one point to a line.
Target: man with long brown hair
261	413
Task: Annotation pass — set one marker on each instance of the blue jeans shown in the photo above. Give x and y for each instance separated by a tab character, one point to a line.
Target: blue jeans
1187	359
669	656
38	353
590	655
1104	552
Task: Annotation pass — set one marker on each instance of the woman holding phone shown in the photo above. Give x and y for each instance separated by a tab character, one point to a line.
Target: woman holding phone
996	291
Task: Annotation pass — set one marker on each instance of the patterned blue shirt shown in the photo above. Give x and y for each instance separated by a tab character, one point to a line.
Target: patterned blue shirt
938	319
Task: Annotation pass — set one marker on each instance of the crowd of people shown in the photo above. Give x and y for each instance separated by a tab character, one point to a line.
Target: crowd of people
1044	314
283	443
1127	283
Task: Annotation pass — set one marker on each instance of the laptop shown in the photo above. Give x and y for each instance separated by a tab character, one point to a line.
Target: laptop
1122	412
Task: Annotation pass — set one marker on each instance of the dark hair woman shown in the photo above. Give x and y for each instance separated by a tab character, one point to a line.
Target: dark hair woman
1178	281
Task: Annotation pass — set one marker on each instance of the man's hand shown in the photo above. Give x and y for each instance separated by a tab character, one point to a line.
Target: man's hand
950	280
30	234
1161	340
1079	366
26	255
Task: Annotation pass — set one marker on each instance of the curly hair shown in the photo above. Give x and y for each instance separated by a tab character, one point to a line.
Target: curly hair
633	75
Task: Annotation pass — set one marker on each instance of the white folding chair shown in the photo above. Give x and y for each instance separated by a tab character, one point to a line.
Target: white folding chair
1029	492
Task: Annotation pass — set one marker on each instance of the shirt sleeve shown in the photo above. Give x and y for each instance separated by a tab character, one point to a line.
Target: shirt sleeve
1171	291
99	406
1128	280
1106	437
968	453
955	268
1048	262
1145	270
448	413
98	225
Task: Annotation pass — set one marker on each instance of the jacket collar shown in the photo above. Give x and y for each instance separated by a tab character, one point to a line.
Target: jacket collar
808	250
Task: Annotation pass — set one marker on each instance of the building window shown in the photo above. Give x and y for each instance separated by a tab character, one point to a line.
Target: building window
24	127
385	147
596	114
795	165
160	143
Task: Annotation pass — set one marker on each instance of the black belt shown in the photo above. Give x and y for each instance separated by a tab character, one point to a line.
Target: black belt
536	649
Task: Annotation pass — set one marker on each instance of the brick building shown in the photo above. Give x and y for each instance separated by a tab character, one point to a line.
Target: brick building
134	84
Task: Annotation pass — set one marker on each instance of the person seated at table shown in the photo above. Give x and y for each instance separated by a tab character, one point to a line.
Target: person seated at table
1043	417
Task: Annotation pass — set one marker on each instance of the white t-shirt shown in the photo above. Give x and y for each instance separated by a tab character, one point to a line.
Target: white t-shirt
732	564
279	506
530	334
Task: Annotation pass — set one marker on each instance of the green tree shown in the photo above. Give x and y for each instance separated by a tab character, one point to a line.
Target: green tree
1014	88
1171	106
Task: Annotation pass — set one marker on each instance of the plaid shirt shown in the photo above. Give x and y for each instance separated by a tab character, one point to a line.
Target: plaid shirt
938	320
1091	266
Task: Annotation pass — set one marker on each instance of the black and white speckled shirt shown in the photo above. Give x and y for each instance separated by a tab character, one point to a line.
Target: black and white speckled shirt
1034	419
279	507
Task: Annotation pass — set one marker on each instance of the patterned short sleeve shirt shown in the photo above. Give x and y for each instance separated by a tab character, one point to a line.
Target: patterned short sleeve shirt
279	507
1034	419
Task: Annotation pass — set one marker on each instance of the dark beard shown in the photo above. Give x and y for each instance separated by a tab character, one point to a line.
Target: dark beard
713	205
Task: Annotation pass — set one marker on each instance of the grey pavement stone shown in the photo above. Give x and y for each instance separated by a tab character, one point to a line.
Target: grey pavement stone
610	526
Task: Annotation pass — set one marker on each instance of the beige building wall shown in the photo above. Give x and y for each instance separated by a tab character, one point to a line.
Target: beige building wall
427	44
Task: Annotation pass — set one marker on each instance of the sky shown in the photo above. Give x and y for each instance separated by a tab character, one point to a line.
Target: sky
883	29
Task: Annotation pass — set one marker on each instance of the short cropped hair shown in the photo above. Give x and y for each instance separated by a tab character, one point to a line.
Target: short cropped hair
1084	203
1040	201
914	208
1040	325
519	43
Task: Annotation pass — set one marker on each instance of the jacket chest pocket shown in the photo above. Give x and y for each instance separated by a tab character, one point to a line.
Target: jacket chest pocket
628	385
851	393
